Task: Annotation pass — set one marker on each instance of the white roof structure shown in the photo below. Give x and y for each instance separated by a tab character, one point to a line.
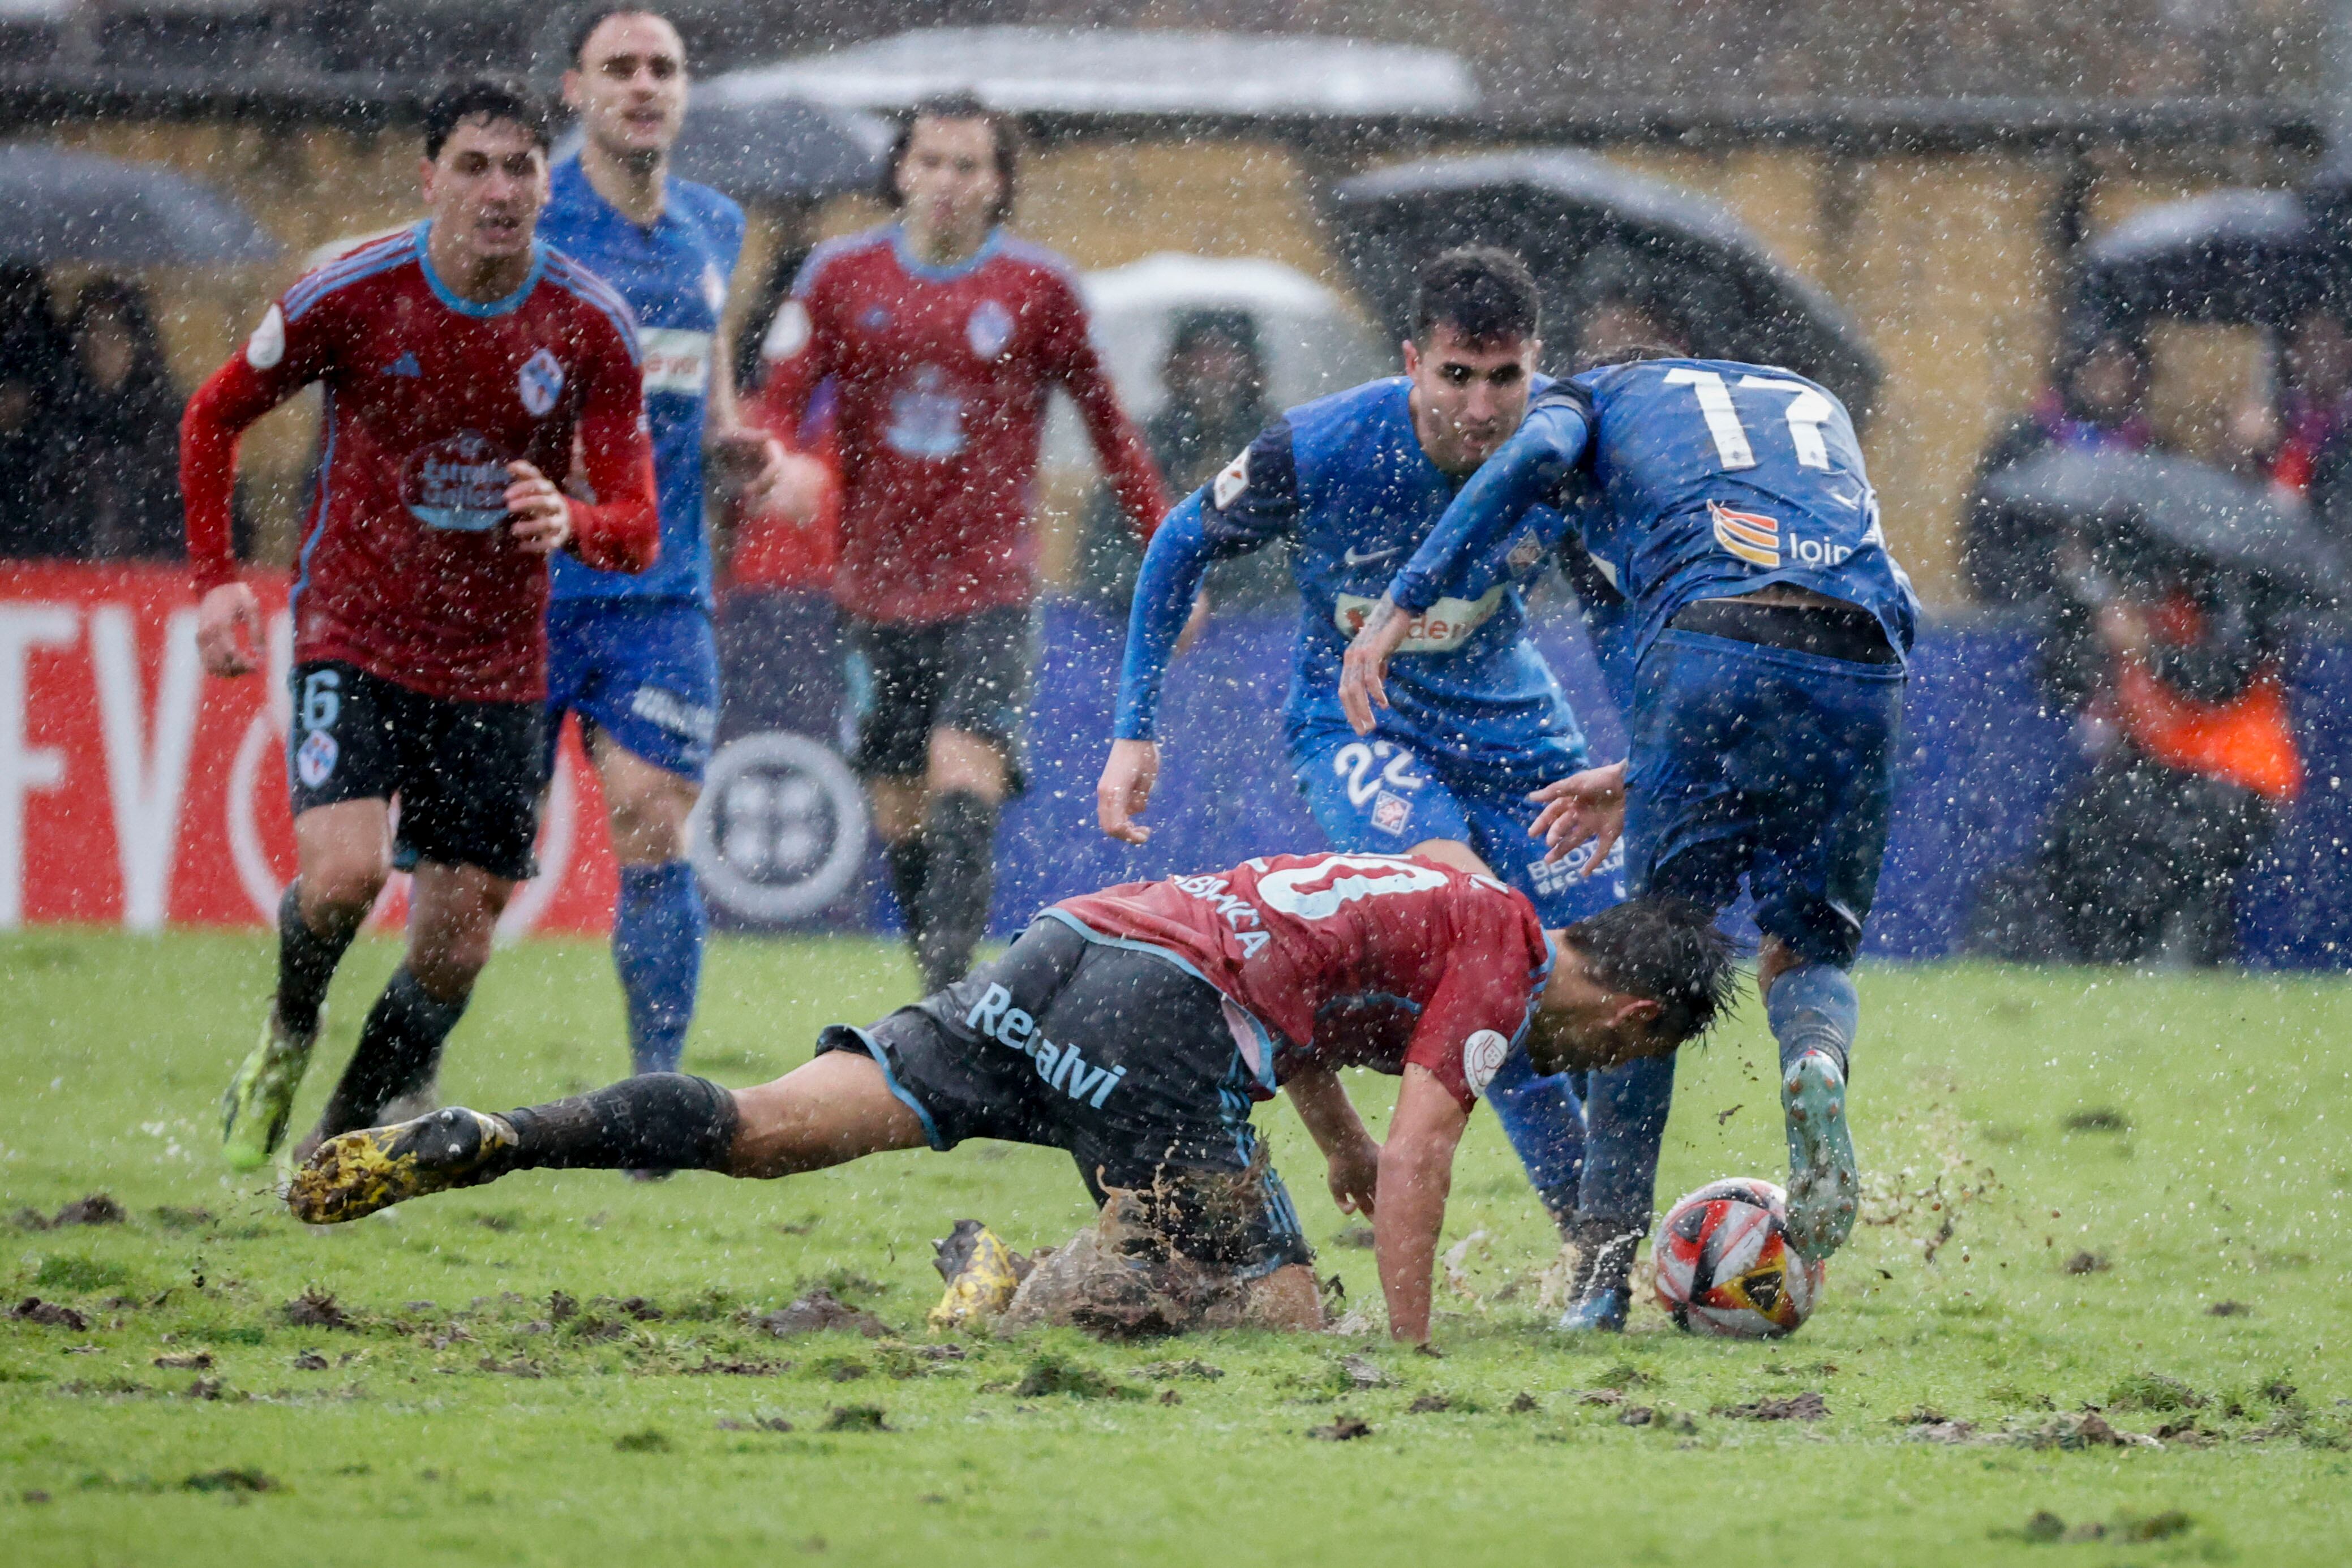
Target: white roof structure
1120	71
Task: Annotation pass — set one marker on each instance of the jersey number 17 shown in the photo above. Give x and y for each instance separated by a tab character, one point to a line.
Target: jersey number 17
1807	412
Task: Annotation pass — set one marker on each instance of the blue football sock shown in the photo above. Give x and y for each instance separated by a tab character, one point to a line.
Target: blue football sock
1546	1125
1813	1007
1624	1124
657	935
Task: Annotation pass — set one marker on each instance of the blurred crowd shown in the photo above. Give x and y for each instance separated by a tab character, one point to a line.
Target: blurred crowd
88	425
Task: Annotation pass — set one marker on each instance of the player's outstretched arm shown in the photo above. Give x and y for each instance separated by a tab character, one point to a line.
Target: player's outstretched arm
1352	1159
1589	805
1165	590
1528	468
1416	1176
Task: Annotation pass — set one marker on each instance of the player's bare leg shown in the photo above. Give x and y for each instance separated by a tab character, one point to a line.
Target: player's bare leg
1813	1010
833	1109
343	853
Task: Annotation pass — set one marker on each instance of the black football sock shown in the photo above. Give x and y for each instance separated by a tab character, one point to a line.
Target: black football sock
656	1120
306	963
910	859
960	832
399	1050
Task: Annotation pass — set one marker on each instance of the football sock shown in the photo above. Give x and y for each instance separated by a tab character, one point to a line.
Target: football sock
960	842
1813	1007
1624	1125
658	929
1546	1126
910	858
1605	1245
306	963
400	1047
658	1121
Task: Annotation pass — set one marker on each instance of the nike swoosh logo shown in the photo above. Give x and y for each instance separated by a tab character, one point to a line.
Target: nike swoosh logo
1366	558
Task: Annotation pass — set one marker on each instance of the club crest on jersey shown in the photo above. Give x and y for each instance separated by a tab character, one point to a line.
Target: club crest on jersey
540	381
989	329
1751	535
1482	1058
1231	480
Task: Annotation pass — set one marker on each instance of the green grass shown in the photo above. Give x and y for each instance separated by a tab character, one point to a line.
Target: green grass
2189	1132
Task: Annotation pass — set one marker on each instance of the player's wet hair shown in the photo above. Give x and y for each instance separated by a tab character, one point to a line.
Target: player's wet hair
957	106
1484	293
485	99
1667	950
1626	354
584	25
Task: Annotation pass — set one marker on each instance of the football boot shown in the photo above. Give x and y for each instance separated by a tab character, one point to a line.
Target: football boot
1824	1188
356	1173
260	1098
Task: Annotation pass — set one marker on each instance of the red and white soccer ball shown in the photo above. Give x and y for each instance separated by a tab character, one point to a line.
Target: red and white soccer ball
1725	1266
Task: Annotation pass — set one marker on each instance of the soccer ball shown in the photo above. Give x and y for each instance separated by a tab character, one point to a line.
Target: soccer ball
1725	1266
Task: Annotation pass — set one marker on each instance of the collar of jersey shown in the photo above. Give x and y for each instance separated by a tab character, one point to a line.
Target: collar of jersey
918	268
571	173
463	306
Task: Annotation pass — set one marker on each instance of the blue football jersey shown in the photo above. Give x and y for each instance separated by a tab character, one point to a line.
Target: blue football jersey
1714	478
674	277
1345	478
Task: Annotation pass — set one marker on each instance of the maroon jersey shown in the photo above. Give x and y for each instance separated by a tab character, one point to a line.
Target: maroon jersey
1307	942
941	375
407	568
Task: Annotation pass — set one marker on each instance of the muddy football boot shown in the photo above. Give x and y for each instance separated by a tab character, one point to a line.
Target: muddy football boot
1602	1294
261	1096
982	1274
1824	1189
356	1173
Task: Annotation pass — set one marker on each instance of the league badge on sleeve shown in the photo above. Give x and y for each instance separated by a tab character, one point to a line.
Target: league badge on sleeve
1231	480
267	344
788	334
541	383
1482	1058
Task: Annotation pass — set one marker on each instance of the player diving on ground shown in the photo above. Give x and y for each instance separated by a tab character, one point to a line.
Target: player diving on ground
1135	1027
1771	627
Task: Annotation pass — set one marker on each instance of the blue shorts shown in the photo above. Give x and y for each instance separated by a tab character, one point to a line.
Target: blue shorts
1769	764
647	673
1382	796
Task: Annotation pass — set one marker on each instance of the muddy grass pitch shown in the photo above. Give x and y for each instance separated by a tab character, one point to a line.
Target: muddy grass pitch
2096	1314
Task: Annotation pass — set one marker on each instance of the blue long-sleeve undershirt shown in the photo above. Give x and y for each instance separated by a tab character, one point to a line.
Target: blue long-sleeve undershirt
1526	471
1177	559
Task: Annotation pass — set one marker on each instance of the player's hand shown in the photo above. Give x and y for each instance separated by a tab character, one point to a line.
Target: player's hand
1354	1173
797	492
538	514
747	463
1361	673
228	630
1126	789
1584	806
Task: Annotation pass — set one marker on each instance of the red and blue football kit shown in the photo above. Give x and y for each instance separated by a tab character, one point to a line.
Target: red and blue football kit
943	375
407	571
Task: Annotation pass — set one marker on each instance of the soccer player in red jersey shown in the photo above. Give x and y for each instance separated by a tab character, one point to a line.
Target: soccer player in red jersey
1133	1027
942	335
462	363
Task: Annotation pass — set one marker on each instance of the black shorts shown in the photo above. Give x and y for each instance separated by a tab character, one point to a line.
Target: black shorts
1115	1054
972	675
467	774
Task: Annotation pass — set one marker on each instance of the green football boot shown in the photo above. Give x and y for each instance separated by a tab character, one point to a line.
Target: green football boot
1824	1188
261	1096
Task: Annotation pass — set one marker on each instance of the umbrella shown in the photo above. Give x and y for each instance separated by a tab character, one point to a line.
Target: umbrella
1565	213
2225	256
775	149
2181	502
58	206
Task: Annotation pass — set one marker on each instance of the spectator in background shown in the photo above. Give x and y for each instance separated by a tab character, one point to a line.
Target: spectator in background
2308	453
1214	378
2097	398
117	433
32	363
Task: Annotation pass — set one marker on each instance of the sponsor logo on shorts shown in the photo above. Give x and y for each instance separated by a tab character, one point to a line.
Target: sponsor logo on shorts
696	721
1751	535
314	761
1062	1066
539	382
1551	877
1482	1058
1391	813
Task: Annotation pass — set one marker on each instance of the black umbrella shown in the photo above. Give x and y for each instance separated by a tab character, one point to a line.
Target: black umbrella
780	150
2182	503
2227	256
1568	215
58	206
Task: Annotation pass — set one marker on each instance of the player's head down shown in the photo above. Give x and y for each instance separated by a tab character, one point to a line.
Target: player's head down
485	171
1471	357
1637	980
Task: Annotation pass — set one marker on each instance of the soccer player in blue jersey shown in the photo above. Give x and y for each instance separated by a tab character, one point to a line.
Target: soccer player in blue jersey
635	657
1771	628
1356	481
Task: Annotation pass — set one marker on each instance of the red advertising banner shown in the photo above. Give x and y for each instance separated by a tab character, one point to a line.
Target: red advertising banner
136	790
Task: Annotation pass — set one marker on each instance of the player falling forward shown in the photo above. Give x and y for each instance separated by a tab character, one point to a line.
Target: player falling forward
1771	626
634	654
942	335
1134	1027
463	361
1356	481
